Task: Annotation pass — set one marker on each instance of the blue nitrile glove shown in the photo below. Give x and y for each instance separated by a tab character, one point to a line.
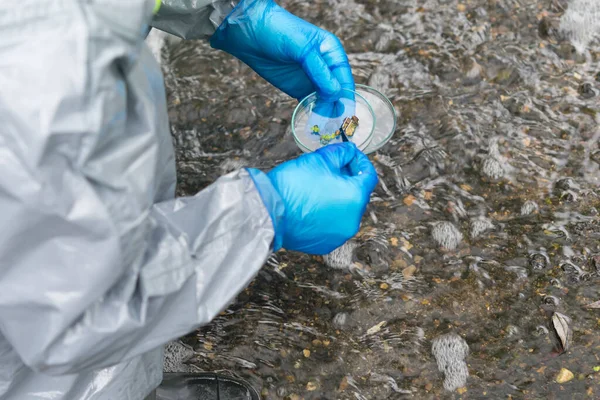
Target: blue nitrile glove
324	194
290	53
328	116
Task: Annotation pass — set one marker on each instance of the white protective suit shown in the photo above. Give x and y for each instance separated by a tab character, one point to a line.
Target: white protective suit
99	264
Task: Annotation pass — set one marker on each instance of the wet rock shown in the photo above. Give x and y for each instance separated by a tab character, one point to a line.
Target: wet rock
340	320
409	272
479	226
446	235
570	254
566	184
551	300
539	261
507	76
556	230
511	330
529	207
564	376
340	258
481	12
595	263
547	28
323	312
492	168
375	253
175	356
587	91
541	330
567	51
569	196
573	271
556	283
450	351
281	391
267	277
241	116
472	70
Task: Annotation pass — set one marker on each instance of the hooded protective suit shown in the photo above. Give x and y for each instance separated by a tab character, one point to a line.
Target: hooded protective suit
99	265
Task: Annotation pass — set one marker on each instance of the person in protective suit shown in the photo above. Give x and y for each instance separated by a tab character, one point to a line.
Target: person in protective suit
100	264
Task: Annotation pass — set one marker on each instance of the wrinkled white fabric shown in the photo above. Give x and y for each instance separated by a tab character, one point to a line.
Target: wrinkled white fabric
192	19
99	264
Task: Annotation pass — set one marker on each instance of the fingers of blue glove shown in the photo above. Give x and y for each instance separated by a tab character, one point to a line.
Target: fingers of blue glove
334	55
343	74
327	117
364	172
344	106
317	70
339	155
330	109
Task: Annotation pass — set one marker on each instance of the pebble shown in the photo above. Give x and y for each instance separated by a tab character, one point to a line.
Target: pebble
564	376
340	258
492	168
538	261
409	271
450	351
479	226
529	207
374	329
340	320
446	235
567	184
587	91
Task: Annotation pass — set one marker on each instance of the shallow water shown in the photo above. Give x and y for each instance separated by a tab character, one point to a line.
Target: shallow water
495	158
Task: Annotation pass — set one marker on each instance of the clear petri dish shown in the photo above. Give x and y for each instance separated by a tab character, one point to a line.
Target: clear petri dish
370	104
315	121
385	115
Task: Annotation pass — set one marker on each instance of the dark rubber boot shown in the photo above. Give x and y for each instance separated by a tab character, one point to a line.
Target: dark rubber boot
204	386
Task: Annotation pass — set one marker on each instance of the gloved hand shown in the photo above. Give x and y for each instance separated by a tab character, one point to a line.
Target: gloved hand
290	53
328	116
325	194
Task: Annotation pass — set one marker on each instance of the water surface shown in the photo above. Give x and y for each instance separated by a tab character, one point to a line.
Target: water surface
495	157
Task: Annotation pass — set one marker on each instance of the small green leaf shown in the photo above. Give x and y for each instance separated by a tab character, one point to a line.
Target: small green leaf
597	368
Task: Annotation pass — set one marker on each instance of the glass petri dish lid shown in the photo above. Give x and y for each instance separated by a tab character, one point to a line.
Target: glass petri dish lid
385	115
